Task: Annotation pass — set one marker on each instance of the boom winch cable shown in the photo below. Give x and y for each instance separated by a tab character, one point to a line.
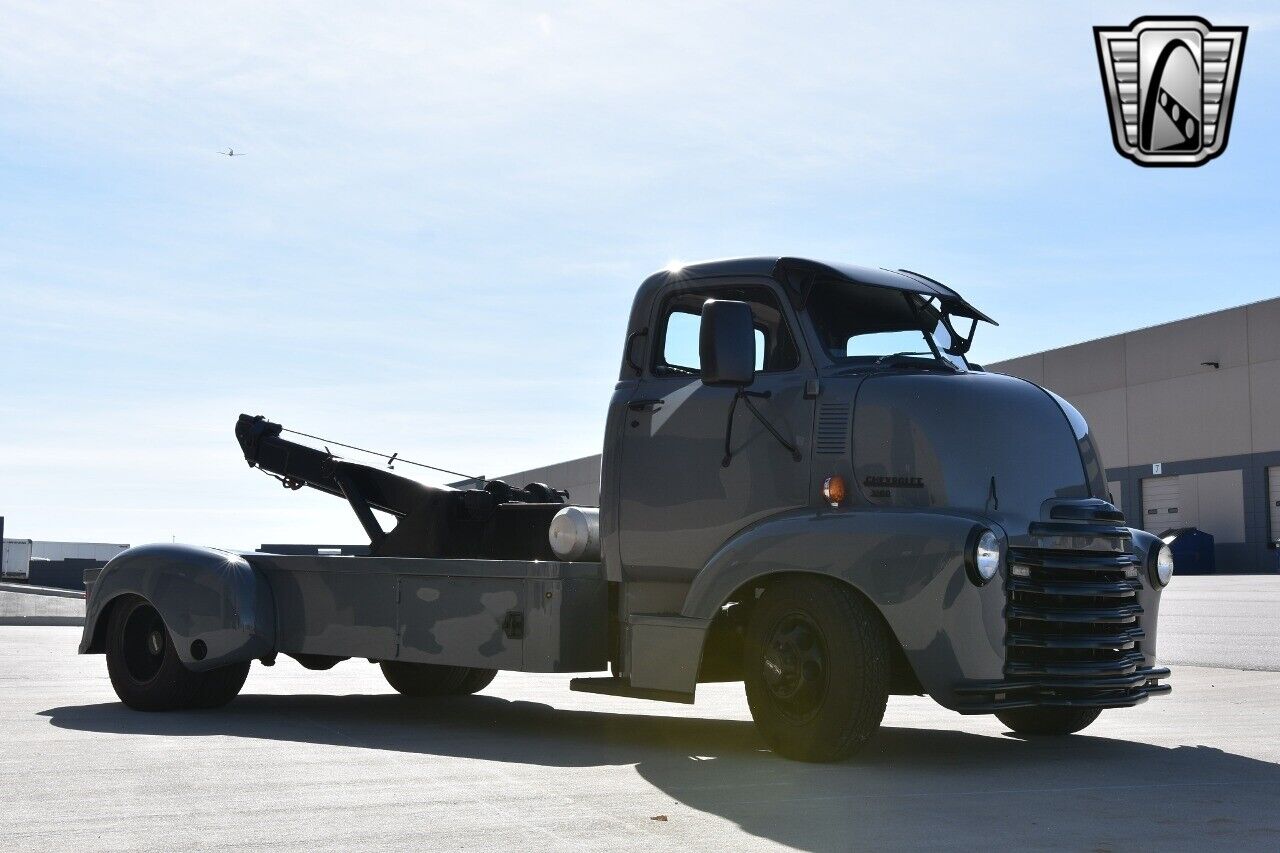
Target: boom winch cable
394	457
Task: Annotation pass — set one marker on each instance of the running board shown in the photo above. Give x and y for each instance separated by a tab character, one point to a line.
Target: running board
622	687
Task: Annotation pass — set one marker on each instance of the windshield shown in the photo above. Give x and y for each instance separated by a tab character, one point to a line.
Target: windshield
863	325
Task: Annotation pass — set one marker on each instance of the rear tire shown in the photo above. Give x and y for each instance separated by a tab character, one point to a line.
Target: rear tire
476	680
816	667
145	669
421	680
1048	721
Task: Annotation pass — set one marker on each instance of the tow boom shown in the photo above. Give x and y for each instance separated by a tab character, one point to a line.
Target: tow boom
496	522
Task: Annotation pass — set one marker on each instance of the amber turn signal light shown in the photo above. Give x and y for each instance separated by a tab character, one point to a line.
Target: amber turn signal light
833	490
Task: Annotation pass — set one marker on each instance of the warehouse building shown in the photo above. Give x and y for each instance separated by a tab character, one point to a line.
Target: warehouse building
1186	415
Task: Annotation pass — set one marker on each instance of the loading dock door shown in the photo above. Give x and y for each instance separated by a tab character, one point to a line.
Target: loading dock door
1273	502
1164	504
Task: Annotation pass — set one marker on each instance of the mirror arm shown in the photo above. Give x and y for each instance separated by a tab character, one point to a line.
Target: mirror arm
728	431
746	396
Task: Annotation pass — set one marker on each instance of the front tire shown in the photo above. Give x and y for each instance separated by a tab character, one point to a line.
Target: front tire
1048	721
816	667
145	669
421	680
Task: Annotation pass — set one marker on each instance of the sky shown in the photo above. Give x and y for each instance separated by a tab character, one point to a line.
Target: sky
432	241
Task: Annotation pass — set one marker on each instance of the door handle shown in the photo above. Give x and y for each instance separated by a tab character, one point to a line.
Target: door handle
641	405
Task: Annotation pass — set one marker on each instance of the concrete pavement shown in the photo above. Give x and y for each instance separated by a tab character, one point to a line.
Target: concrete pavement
332	760
1227	620
23	605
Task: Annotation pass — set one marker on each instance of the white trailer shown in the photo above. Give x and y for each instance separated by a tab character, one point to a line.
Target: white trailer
15	558
102	551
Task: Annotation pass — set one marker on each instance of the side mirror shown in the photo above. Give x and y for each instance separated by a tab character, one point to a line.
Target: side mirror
727	343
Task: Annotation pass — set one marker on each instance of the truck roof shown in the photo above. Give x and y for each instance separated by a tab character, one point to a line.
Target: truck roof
801	274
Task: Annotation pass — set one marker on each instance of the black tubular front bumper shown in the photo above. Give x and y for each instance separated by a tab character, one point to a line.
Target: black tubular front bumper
1076	691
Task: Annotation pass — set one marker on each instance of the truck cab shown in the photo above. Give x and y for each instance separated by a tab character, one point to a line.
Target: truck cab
805	486
863	375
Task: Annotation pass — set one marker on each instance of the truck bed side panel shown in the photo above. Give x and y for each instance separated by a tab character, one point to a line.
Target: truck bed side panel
460	621
531	615
346	614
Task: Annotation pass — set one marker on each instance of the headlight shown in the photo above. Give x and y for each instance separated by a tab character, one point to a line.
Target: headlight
985	554
1162	566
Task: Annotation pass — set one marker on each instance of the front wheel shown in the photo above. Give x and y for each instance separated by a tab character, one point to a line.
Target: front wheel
145	669
1048	721
816	667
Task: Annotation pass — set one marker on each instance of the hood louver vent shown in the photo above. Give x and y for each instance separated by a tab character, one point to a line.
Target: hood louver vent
833	429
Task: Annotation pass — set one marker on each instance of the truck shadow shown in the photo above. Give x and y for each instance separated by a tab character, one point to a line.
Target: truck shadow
910	788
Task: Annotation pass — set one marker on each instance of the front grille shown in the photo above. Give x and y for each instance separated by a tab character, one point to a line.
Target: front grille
1073	622
1073	616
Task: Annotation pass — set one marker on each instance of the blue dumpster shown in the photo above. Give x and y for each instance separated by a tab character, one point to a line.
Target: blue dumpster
1192	550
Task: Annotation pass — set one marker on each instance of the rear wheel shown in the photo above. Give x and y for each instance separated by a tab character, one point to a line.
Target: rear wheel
427	679
145	669
476	680
1048	721
816	667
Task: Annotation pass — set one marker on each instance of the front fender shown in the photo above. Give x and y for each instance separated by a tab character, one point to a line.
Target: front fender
909	563
201	593
1144	544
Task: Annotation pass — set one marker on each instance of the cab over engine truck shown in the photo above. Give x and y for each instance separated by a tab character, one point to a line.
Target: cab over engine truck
805	486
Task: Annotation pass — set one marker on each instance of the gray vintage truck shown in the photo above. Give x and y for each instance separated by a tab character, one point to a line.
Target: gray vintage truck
805	487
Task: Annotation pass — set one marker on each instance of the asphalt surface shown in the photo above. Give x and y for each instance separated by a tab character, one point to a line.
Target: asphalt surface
333	760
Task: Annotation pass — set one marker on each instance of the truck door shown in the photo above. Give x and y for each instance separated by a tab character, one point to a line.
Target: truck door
678	501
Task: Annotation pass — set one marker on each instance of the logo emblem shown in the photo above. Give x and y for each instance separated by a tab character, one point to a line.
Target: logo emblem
1170	86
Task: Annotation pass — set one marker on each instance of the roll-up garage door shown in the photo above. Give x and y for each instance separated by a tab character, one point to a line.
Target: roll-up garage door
1164	504
1273	501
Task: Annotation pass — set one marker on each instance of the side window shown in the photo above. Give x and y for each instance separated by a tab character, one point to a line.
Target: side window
681	323
680	343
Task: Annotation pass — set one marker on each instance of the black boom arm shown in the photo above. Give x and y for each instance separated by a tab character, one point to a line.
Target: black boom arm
432	521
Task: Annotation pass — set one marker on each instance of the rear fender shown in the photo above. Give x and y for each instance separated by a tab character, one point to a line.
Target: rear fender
202	594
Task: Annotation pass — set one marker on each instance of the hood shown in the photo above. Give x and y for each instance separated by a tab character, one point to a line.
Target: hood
977	442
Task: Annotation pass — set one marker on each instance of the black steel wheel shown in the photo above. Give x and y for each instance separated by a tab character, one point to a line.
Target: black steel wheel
144	642
145	669
816	667
1048	721
421	680
796	668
